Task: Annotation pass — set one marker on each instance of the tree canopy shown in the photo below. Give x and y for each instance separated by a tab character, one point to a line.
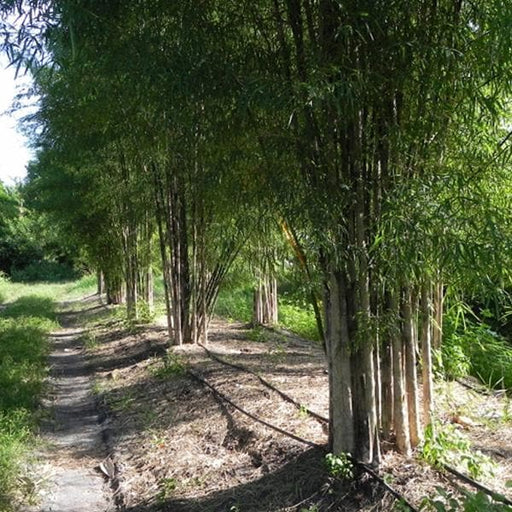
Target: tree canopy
376	132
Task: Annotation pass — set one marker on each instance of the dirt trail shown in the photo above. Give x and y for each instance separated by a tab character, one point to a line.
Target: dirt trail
72	436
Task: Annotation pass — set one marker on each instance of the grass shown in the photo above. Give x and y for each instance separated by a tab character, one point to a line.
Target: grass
11	291
236	305
24	326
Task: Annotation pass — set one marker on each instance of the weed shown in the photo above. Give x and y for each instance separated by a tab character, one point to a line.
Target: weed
145	314
121	403
311	508
235	304
479	351
258	334
446	501
90	341
507	412
98	387
278	354
303	412
149	417
447	445
340	466
157	438
172	365
167	487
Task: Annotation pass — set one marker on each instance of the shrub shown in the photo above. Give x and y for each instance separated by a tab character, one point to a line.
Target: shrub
299	319
48	271
477	350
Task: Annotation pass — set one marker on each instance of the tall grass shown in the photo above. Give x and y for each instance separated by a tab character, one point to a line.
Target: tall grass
24	326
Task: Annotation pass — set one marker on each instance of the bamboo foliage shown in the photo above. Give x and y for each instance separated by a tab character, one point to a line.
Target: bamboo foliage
373	128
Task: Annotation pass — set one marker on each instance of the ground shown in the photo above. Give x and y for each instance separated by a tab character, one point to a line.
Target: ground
172	443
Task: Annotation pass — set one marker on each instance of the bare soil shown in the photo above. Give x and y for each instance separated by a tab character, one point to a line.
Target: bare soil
176	446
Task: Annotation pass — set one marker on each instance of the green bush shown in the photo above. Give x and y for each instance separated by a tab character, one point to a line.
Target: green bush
48	271
478	351
34	306
235	304
299	319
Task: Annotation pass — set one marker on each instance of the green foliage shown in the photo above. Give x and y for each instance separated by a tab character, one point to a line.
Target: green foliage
340	466
31	248
24	327
446	501
171	366
475	349
167	487
235	304
86	285
144	313
31	305
15	439
298	319
444	444
49	271
90	341
258	334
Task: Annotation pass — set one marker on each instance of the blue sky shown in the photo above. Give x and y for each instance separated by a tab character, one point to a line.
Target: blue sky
14	153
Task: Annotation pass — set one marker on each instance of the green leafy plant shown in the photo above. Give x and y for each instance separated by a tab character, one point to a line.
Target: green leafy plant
258	334
475	349
340	466
167	487
447	445
446	501
298	319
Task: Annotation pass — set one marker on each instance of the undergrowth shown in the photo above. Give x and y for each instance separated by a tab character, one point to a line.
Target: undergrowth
236	305
444	444
474	349
24	327
446	501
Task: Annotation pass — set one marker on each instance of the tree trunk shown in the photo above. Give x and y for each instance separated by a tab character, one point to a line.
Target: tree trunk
265	302
341	418
437	331
386	369
100	280
426	354
400	416
411	379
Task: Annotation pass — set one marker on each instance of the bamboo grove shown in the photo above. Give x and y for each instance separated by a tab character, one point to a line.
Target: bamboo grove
372	132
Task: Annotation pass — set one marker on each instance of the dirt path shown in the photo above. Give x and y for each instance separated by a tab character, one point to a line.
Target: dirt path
72	436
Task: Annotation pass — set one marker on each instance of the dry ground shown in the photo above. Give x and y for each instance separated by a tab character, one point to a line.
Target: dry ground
177	446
